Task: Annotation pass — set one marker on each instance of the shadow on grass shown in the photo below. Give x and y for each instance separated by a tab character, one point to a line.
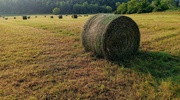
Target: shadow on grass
159	65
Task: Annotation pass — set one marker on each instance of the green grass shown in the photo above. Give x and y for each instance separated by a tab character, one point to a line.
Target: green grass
42	58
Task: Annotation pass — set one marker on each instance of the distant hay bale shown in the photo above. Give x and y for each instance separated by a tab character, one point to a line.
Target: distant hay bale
45	16
24	17
6	18
79	15
35	16
60	16
14	17
114	37
28	17
51	16
74	16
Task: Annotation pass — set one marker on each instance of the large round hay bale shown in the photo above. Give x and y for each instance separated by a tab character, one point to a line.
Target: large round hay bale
24	17
112	36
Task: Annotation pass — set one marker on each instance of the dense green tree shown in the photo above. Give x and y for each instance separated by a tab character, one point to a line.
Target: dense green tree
157	5
132	6
122	8
109	9
65	7
78	8
142	6
160	5
164	5
177	3
56	11
117	4
149	8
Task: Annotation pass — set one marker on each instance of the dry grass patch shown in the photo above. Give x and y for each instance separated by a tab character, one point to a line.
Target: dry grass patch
42	58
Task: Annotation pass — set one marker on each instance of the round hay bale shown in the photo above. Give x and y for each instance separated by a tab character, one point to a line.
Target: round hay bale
112	36
51	16
60	16
28	17
35	16
79	15
86	15
24	17
44	16
74	16
6	18
14	17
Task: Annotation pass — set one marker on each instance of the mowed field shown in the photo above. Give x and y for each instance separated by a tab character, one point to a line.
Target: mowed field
43	59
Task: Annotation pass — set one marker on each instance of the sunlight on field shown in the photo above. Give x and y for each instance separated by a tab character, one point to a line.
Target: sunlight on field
42	58
158	30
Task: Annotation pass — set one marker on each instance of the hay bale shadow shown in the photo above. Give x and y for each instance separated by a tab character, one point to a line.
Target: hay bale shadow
159	65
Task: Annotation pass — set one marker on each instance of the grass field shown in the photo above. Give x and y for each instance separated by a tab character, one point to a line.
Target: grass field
42	58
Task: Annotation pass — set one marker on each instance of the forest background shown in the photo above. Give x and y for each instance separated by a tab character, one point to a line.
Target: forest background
85	6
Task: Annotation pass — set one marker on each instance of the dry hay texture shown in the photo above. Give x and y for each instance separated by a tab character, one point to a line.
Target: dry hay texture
112	36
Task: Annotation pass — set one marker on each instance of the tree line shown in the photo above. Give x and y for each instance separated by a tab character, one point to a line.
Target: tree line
145	6
78	6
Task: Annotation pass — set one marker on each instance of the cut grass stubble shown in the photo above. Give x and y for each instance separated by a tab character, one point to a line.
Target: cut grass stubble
42	58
